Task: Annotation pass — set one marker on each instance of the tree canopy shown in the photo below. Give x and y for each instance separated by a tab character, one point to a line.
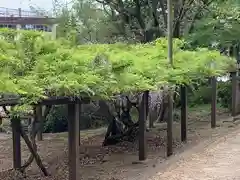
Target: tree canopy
135	21
219	26
35	66
204	22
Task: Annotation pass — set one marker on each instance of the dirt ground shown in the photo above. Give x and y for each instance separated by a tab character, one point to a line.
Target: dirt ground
219	160
115	162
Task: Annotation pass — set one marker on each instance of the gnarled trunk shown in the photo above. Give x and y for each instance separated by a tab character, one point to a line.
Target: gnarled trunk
122	127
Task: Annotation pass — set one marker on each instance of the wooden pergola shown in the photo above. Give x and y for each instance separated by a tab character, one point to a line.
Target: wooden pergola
74	106
75	103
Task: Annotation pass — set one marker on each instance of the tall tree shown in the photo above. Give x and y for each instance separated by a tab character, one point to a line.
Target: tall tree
90	22
148	18
219	27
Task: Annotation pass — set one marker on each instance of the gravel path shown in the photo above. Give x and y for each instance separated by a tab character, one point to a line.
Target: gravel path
218	161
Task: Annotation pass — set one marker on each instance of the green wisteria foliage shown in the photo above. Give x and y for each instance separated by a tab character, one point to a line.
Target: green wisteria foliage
34	66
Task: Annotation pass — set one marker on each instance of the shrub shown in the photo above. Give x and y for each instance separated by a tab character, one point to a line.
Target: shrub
56	120
200	96
224	94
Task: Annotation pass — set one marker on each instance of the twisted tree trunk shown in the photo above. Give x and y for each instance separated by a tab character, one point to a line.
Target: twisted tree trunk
122	127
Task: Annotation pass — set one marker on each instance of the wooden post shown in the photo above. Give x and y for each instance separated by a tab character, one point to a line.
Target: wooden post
214	102
78	118
15	122
39	117
183	113
73	140
1	130
142	127
170	124
234	93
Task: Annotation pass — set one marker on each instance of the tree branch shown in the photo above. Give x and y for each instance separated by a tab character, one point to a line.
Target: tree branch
200	8
138	15
164	14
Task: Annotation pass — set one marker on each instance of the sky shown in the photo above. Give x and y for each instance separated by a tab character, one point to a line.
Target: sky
24	4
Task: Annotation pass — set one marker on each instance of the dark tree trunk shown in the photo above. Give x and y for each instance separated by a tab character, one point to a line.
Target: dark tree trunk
123	129
177	30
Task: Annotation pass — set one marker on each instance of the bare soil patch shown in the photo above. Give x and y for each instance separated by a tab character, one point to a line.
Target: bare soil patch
112	162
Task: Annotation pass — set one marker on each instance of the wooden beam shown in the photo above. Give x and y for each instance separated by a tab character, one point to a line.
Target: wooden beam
16	137
73	140
142	127
49	101
183	113
57	101
234	93
12	100
9	102
214	102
